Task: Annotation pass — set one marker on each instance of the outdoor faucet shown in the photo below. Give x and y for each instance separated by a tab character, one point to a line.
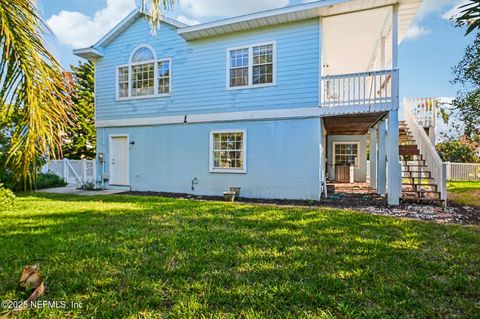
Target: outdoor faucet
194	182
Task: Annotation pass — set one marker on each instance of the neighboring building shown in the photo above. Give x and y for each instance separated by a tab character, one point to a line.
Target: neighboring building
272	101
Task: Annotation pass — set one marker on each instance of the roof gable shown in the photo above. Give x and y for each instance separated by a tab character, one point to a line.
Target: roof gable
95	51
128	21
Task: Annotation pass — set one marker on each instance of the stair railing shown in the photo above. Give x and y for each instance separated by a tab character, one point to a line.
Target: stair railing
437	168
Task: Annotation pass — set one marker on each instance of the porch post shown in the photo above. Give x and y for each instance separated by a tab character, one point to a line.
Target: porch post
373	158
394	169
382	158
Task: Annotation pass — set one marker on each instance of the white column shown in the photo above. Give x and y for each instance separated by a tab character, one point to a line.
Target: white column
373	158
382	158
394	168
395	37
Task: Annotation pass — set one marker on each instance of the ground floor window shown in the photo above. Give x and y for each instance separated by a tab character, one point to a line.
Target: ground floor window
228	151
346	153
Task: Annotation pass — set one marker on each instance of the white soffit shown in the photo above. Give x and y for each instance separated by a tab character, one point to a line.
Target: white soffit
325	8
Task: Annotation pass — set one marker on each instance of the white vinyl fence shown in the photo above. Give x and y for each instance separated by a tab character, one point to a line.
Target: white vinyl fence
76	172
463	172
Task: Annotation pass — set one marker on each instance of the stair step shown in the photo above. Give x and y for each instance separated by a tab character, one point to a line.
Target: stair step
422	200
422	194
415	180
414	162
416	159
414	174
417	166
418	188
419	185
410	152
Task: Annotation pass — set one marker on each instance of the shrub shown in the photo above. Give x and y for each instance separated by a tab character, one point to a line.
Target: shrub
49	180
88	186
7	199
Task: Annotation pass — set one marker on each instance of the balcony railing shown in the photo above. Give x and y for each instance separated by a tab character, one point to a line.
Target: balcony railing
367	88
424	109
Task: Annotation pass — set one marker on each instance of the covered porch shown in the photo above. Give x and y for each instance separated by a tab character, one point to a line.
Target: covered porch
361	154
359	60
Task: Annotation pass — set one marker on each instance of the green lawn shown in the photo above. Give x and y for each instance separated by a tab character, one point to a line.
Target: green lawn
141	257
465	193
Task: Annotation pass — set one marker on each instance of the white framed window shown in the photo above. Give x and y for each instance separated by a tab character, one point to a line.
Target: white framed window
251	66
164	76
228	151
123	82
346	153
145	76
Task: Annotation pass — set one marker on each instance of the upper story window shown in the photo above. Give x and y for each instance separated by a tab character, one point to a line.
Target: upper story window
145	75
251	66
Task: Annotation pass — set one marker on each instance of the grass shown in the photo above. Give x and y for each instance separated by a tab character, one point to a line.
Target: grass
465	193
145	257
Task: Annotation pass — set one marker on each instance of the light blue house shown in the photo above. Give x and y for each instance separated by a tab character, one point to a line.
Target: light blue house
272	102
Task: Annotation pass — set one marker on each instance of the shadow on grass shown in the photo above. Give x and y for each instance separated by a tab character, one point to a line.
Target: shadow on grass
141	256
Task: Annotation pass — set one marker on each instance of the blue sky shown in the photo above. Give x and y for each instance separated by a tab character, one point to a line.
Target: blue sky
426	56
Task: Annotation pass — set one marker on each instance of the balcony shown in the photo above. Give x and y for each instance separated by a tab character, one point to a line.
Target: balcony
375	89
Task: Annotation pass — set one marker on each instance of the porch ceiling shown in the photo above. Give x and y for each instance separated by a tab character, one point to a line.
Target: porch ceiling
351	124
351	40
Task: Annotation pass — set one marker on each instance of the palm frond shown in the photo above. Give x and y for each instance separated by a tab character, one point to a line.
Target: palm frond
33	85
155	9
470	16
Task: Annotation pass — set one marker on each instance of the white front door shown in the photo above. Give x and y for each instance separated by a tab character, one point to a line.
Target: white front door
119	160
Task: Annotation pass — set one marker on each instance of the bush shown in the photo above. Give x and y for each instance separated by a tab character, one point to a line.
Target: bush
7	199
88	186
49	180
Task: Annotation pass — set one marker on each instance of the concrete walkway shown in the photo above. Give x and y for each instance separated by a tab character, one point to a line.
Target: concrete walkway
72	190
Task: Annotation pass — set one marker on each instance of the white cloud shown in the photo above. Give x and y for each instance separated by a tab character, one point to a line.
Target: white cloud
415	32
78	30
216	8
429	6
455	10
187	21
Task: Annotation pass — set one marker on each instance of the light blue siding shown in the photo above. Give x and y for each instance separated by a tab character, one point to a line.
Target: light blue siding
282	158
199	72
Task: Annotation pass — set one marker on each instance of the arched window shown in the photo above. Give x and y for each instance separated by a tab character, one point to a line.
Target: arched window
142	54
144	76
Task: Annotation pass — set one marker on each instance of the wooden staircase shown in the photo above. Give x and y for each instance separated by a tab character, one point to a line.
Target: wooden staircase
417	182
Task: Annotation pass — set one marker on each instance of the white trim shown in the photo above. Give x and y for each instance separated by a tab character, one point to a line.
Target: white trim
408	10
132	15
185	32
214	117
130	66
244	153
170	65
148	46
357	162
88	53
110	137
129	19
287	113
250	66
321	59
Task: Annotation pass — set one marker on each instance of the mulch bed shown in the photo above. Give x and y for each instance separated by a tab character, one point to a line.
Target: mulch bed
367	203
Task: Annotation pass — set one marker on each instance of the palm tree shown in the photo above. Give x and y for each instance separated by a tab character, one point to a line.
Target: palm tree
33	87
155	8
470	16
